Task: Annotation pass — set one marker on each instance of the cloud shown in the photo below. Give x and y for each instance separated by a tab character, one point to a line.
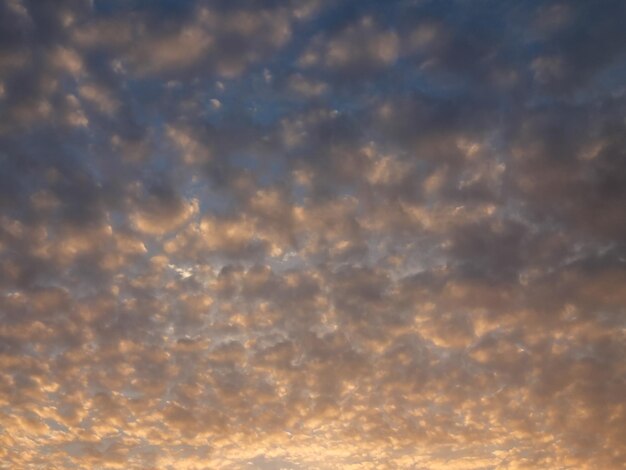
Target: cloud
224	41
240	234
308	88
99	97
161	211
362	46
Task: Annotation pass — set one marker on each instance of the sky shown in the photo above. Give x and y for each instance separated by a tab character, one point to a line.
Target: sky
313	234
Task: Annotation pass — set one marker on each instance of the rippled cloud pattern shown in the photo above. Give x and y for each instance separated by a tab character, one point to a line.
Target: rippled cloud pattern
313	234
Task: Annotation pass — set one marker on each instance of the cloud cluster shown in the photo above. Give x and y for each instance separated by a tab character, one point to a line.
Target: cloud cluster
312	234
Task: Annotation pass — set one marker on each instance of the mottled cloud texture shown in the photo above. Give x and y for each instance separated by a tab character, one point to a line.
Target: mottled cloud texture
313	234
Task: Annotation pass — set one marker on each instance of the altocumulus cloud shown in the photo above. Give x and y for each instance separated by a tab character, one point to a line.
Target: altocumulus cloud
312	234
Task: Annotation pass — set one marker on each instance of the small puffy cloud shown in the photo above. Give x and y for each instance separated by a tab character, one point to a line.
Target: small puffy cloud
192	150
308	88
158	209
67	60
223	42
171	52
361	45
100	97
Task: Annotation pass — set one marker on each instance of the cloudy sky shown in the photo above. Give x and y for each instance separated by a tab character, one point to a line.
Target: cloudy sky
313	234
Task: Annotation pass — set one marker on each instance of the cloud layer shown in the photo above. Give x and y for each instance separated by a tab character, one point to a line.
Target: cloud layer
312	234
